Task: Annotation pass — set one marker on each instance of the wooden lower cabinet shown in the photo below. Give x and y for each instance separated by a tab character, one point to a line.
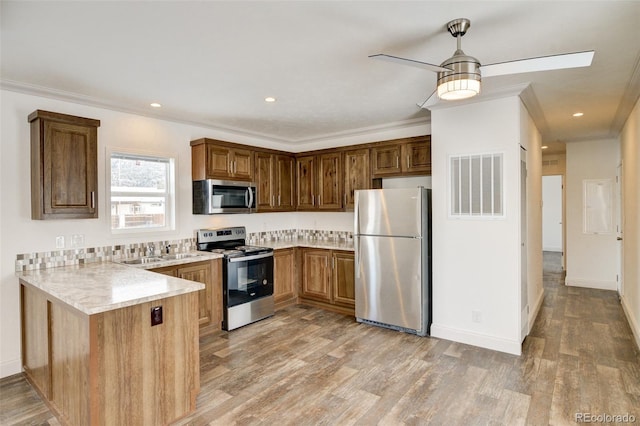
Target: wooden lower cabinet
284	278
112	368
208	273
327	279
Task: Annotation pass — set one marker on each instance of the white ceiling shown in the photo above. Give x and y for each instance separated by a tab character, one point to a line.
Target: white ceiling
214	62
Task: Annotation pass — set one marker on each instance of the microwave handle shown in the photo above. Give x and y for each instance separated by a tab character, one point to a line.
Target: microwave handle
250	193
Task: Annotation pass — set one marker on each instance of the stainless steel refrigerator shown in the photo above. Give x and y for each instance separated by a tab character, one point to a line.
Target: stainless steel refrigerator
392	239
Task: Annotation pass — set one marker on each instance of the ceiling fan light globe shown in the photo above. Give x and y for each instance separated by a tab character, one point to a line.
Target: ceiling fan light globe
458	89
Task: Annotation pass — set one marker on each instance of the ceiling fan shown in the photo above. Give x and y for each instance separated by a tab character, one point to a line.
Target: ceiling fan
459	76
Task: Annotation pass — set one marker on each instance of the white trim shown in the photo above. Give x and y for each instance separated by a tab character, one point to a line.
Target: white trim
632	320
581	282
486	341
533	313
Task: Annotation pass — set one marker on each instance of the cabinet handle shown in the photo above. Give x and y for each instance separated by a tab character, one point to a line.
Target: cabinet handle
333	266
235	166
313	200
93	199
273	200
408	161
397	161
345	199
278	200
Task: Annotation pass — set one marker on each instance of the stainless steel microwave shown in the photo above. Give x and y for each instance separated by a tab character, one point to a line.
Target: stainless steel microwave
223	196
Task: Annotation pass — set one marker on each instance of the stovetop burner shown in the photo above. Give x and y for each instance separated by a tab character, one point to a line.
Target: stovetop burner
229	242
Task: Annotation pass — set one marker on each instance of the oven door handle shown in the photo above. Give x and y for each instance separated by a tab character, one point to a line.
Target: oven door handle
254	257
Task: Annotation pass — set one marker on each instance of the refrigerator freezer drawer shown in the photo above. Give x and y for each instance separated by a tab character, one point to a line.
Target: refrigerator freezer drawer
389	286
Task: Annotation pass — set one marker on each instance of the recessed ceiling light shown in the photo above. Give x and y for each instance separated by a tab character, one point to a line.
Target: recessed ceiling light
155	105
578	114
269	99
544	147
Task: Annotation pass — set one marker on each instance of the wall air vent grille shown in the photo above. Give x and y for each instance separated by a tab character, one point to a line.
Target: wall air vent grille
476	186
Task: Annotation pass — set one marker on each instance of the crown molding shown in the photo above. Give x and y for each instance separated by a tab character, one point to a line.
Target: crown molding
629	99
35	90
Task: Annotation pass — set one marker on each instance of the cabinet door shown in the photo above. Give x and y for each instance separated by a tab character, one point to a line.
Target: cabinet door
329	181
200	272
172	271
218	162
70	159
385	160
356	174
265	181
343	278
315	275
285	178
417	156
242	167
284	288
306	182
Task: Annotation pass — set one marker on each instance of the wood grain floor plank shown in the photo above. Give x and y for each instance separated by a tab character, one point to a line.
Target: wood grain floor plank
307	366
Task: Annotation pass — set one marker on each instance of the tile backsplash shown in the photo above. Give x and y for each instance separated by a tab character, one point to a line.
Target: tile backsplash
56	258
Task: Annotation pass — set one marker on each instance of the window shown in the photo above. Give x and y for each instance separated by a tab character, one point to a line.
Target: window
142	189
476	186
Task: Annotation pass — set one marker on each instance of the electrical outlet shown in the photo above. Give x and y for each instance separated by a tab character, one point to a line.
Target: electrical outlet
476	316
156	315
77	240
59	242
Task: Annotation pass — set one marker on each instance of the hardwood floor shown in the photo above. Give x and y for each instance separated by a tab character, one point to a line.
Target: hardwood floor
306	366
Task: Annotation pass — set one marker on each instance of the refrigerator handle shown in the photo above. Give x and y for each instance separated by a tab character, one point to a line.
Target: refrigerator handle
357	256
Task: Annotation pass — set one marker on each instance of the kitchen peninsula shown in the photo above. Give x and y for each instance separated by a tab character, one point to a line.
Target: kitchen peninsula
105	343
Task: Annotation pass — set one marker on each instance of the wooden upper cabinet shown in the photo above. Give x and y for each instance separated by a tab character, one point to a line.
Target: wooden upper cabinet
306	182
386	160
319	181
275	179
64	162
264	181
357	174
213	159
329	181
410	156
285	182
417	156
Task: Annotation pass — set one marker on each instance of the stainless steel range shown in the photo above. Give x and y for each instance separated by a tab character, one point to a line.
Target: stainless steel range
247	282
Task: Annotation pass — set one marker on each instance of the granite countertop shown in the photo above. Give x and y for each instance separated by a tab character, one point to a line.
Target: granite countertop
303	242
104	286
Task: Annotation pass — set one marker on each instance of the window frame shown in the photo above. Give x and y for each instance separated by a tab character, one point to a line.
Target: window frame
170	193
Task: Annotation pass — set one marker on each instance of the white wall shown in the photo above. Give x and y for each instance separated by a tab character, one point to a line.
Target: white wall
552	213
476	263
532	141
20	234
630	152
592	259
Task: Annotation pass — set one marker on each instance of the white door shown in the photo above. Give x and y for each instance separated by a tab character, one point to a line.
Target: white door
552	213
619	227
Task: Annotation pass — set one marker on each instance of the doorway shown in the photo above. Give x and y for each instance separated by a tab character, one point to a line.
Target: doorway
552	216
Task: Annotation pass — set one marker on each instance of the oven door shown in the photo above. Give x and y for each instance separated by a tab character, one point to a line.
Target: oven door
248	278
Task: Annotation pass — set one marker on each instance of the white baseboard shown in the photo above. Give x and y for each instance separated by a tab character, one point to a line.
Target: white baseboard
633	321
9	368
533	313
500	344
580	282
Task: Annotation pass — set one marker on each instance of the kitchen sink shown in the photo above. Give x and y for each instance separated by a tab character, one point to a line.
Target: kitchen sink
178	256
141	260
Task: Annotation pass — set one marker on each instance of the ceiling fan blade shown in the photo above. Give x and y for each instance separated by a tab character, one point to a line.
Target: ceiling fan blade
410	62
542	63
431	100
